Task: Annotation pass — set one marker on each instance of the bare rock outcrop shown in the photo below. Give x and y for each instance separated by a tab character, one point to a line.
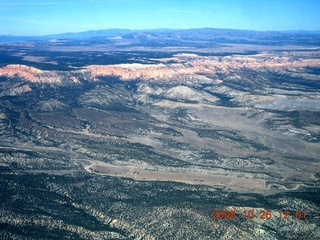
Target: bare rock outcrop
36	75
30	73
16	90
51	105
194	69
188	94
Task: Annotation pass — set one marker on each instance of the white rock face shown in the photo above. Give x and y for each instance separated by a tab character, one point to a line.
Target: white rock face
16	91
188	94
51	105
283	103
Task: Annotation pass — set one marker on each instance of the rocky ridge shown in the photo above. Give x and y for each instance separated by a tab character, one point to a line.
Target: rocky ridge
36	75
195	67
185	67
195	78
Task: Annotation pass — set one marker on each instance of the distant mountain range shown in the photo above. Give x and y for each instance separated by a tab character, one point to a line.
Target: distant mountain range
199	33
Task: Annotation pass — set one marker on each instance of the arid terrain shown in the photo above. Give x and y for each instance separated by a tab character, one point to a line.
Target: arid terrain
143	135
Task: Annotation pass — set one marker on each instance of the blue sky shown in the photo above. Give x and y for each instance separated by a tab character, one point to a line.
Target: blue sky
40	17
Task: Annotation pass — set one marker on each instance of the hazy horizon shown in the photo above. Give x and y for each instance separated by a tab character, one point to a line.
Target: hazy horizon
153	29
39	17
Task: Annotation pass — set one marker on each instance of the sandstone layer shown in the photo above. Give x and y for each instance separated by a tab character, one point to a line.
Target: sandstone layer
185	67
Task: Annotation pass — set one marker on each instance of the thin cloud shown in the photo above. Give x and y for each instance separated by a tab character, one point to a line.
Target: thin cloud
209	10
241	7
182	11
24	20
27	4
115	1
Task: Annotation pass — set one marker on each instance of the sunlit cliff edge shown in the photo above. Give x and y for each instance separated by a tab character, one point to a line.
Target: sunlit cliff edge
185	67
